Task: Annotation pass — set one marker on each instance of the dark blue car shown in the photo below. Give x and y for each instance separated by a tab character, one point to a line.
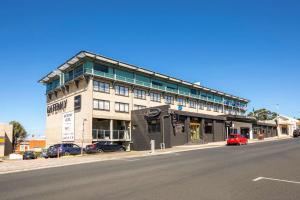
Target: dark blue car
64	149
100	147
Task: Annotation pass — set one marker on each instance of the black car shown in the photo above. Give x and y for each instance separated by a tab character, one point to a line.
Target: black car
64	149
104	147
296	133
28	155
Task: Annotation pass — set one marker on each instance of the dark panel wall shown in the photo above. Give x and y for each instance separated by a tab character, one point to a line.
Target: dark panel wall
140	135
219	131
178	137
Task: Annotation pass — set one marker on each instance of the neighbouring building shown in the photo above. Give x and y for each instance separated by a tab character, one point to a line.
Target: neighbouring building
173	127
92	98
6	137
286	125
31	144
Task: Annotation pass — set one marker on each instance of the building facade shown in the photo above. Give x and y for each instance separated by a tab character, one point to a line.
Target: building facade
32	144
6	138
91	98
286	125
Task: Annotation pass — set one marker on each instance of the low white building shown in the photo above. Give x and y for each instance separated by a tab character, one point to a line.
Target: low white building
286	125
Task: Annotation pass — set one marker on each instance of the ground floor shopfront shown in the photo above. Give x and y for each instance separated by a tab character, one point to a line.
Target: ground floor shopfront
169	127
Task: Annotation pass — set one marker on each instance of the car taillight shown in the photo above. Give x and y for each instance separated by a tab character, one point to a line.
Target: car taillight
94	145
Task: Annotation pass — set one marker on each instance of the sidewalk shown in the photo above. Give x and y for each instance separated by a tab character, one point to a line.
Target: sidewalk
11	166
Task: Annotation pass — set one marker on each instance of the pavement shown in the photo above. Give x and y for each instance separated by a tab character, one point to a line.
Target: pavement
12	166
260	170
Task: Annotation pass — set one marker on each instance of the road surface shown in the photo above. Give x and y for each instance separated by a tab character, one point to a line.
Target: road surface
269	170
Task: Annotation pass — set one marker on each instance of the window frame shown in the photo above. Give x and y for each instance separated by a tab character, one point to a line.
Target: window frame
153	95
104	104
169	99
98	87
119	105
194	104
139	94
117	91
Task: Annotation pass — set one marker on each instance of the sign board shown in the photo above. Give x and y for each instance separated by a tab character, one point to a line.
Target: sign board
68	130
57	107
2	140
179	107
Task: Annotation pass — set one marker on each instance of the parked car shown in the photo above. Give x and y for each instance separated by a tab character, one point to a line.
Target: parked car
236	139
28	155
64	149
296	133
100	147
44	153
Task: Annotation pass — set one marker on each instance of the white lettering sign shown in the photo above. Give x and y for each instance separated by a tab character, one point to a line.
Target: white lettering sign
68	132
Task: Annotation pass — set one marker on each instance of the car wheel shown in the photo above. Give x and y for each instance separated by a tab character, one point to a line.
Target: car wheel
67	153
99	150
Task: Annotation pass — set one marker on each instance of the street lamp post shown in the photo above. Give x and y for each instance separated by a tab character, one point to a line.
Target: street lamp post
82	138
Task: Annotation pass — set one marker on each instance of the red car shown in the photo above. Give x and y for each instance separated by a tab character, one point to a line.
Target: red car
236	139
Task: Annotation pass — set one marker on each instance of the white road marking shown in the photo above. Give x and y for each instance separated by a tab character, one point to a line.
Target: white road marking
275	179
130	160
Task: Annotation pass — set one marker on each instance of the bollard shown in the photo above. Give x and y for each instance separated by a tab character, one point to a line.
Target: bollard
152	144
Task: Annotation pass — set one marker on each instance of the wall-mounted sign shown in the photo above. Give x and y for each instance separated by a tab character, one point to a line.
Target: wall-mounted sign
57	106
2	140
68	132
179	107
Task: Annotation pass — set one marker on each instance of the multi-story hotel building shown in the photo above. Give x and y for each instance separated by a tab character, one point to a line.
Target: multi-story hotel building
90	98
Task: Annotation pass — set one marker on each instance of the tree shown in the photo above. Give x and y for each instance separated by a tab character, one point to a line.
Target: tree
19	133
263	114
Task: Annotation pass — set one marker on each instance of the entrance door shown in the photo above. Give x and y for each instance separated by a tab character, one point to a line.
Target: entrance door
195	132
245	132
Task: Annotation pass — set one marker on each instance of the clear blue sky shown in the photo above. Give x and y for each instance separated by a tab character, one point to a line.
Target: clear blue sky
247	48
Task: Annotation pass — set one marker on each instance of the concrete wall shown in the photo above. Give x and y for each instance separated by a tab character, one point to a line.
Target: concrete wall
54	120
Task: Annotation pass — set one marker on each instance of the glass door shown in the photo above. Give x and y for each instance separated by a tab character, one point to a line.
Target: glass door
195	132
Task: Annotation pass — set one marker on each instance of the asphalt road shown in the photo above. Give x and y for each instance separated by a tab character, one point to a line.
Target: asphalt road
221	173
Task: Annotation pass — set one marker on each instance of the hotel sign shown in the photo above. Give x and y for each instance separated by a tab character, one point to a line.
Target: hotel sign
68	132
57	106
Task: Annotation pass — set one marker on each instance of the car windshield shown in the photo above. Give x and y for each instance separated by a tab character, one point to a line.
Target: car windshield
232	136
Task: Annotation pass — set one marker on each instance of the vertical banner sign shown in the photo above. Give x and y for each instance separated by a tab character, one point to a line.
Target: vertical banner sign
68	132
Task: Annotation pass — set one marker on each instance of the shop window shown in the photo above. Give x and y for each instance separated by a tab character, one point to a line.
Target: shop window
154	126
208	128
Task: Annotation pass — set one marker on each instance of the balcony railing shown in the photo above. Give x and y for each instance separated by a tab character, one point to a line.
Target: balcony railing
108	135
145	84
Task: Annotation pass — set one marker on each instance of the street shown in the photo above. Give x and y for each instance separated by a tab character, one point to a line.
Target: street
268	170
